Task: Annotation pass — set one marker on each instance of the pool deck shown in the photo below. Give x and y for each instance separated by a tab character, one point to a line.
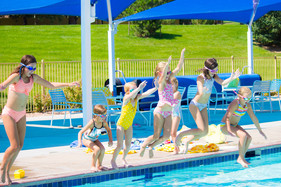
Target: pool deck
57	162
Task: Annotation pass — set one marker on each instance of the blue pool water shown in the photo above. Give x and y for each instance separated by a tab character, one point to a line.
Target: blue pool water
264	171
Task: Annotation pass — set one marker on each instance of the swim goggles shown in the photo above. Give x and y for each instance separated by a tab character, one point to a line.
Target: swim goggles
101	115
245	98
212	70
30	68
168	72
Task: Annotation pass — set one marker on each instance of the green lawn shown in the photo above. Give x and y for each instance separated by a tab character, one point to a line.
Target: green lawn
62	42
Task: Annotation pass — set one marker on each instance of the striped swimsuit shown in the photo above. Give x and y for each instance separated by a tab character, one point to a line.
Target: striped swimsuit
238	113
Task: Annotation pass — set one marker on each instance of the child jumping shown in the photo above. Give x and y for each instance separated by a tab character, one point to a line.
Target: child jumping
176	116
20	83
163	111
229	123
91	133
198	105
125	122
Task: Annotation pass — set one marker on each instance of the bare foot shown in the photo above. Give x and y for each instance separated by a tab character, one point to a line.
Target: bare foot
142	150
247	162
240	161
8	180
102	168
114	165
185	150
3	176
150	149
176	150
94	169
125	163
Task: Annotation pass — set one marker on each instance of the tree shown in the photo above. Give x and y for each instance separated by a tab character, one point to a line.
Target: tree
144	28
267	29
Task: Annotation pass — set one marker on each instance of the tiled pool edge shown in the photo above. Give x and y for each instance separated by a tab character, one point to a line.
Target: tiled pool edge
152	167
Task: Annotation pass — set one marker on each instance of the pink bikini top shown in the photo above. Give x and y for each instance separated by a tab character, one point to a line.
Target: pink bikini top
22	87
167	96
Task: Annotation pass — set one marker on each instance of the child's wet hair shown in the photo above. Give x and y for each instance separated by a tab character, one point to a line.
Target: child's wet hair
210	63
99	109
159	68
26	60
244	90
128	85
175	81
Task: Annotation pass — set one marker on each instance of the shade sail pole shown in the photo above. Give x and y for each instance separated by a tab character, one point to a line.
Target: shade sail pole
111	51
250	50
86	20
250	39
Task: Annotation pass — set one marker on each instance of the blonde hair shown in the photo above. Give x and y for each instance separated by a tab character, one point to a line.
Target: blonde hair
127	87
99	109
175	81
160	66
244	90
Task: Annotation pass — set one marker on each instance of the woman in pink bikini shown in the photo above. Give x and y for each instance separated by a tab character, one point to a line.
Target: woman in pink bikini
162	113
20	83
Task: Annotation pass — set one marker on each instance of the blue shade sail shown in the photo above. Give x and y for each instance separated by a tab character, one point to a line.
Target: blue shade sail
61	7
229	10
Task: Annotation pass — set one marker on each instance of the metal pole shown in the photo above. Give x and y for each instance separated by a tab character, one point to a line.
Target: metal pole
250	50
86	21
250	38
111	51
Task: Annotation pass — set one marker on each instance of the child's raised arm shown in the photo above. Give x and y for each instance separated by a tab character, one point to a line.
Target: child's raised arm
227	81
180	64
150	91
162	77
53	85
134	93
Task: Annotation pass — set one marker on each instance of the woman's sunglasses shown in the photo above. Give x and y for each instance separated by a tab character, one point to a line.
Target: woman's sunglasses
30	68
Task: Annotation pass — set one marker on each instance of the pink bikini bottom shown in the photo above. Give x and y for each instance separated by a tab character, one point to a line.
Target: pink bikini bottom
16	115
165	114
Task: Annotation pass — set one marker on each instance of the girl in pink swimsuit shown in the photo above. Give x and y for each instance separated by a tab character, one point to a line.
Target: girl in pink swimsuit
20	83
163	110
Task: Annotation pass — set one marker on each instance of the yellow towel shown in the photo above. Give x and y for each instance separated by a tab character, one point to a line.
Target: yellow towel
215	135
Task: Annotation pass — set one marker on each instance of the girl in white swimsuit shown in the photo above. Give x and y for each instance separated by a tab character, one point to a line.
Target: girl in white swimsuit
198	105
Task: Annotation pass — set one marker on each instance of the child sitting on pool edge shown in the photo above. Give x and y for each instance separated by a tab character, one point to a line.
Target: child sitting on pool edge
229	123
91	133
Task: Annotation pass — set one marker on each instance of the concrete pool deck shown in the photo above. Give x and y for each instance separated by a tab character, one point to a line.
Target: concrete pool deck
56	162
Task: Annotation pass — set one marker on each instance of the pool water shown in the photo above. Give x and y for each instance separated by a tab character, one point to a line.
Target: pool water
264	170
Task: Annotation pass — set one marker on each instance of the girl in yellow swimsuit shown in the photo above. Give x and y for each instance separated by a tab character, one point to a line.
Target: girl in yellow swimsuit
128	112
229	123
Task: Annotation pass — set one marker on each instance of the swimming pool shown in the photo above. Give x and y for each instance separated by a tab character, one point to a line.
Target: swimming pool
264	171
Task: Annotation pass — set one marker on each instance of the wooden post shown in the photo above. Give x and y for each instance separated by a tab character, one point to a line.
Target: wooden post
128	28
43	76
232	63
183	68
118	67
275	60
